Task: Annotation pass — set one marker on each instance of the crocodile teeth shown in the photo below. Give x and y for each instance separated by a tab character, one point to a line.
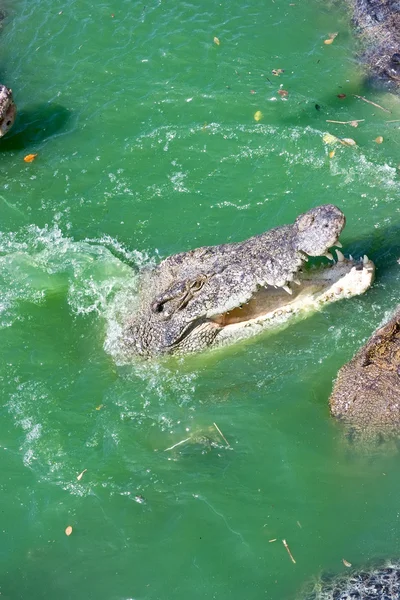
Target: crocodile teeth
338	244
287	289
365	259
340	255
328	255
296	281
350	257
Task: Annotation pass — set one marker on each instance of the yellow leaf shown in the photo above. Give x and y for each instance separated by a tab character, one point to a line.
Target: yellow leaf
258	115
331	154
216	41
331	38
30	157
330	139
68	530
379	139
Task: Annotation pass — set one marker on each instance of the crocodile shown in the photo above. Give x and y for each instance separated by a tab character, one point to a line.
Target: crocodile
381	582
377	25
214	295
8	110
366	394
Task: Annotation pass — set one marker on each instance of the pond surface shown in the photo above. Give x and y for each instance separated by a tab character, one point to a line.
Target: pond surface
147	145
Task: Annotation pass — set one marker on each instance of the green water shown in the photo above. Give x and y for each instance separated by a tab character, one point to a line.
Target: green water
147	145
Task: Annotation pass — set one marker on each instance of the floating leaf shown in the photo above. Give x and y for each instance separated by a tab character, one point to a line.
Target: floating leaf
341	96
30	157
346	563
79	477
277	72
68	530
331	38
330	139
331	154
258	115
347	142
283	93
379	139
216	41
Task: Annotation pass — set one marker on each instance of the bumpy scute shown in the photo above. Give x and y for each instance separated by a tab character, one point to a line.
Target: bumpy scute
8	110
380	583
366	395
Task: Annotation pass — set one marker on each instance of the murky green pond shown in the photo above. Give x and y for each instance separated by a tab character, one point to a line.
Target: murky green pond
147	145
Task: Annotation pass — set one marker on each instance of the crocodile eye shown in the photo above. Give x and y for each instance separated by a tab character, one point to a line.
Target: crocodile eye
157	307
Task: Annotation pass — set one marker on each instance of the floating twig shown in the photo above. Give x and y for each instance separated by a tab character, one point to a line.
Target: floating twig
274	540
222	435
353	122
373	103
394	121
177	444
288	551
299	524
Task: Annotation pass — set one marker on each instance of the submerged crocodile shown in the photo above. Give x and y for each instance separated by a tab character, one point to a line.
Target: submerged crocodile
218	294
380	583
8	110
377	24
366	395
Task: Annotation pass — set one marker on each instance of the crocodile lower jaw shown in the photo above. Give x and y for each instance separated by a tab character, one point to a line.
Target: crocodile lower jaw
270	307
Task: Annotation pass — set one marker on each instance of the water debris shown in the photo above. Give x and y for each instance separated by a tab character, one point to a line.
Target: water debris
373	103
299	524
346	563
216	41
379	139
341	96
258	115
283	93
284	542
277	72
68	530
330	139
274	540
353	123
99	407
79	477
30	158
177	444
222	435
330	38
348	142
331	154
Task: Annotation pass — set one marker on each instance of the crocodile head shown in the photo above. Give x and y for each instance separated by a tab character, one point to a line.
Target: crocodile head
218	294
8	110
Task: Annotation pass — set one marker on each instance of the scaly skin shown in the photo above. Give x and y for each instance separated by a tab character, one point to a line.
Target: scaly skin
366	395
381	583
8	110
185	302
377	23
